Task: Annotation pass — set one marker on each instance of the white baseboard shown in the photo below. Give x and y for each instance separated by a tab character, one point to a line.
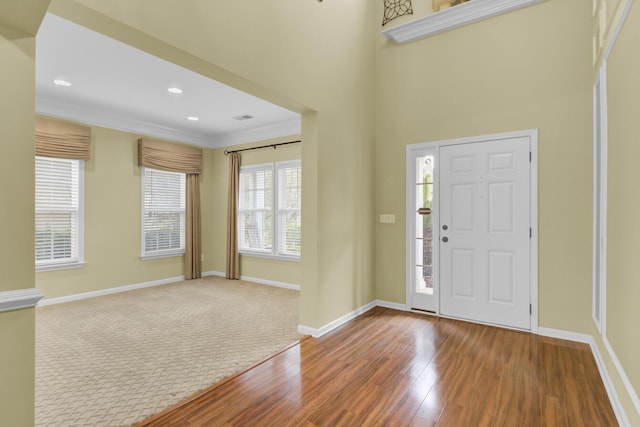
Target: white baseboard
316	333
108	291
618	409
391	305
256	280
20	298
565	335
623	375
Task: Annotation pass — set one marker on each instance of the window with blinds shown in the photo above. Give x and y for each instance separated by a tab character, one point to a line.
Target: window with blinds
255	209
163	213
269	215
289	204
58	212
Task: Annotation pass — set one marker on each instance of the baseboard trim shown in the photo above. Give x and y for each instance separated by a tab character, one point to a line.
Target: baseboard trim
19	299
257	280
565	335
108	291
391	305
614	399
317	333
623	375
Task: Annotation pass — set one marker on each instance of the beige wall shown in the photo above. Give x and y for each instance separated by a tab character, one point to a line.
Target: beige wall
523	70
527	69
250	266
316	58
18	25
623	250
112	222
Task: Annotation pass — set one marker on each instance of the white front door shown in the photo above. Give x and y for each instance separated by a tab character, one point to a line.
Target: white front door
485	232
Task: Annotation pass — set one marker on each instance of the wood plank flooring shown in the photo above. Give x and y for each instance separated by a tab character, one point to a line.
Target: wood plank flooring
392	368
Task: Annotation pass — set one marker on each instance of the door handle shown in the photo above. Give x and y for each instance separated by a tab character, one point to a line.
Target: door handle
445	239
424	211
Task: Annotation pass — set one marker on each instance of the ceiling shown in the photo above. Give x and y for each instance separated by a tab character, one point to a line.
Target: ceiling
117	86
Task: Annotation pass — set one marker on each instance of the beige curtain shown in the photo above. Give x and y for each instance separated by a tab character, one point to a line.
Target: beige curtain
193	244
169	157
172	157
62	140
233	258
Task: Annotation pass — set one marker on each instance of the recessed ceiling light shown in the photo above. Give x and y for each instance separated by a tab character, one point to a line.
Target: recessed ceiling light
174	90
193	118
243	117
59	82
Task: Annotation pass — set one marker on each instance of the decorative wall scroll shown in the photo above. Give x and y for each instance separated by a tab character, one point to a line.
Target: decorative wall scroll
396	8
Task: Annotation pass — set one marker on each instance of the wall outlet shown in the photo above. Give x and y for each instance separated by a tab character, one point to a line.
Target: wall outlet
201	257
387	219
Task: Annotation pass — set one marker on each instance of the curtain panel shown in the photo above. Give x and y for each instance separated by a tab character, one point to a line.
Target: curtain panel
62	140
233	257
180	158
193	243
169	156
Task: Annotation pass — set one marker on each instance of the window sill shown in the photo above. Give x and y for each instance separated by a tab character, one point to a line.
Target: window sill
270	256
161	255
66	266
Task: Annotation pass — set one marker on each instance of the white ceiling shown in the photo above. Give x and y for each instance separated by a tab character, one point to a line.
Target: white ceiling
120	87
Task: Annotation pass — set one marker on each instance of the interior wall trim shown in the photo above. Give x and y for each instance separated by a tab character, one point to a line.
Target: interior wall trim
108	291
317	333
454	17
18	299
93	116
616	404
623	375
277	284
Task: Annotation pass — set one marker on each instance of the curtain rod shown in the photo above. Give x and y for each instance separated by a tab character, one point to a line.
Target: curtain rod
262	146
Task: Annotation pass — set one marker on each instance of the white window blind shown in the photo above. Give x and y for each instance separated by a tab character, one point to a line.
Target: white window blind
269	215
289	204
255	209
163	213
58	214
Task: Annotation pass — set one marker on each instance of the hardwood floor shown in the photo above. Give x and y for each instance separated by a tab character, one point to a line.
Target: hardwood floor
392	368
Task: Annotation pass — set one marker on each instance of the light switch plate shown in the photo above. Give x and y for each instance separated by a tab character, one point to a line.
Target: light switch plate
387	219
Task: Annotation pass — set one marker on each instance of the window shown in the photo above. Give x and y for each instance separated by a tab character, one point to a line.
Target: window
269	215
255	210
58	213
289	203
163	213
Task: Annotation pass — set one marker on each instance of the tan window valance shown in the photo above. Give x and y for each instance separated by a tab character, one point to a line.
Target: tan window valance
169	157
62	140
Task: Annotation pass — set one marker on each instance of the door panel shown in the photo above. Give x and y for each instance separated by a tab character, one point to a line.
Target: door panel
502	277
463	277
485	220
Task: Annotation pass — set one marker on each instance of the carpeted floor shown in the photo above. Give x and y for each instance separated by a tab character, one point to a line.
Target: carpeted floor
117	359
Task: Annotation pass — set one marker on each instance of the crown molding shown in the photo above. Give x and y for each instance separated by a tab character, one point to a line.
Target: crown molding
456	16
262	133
21	298
91	115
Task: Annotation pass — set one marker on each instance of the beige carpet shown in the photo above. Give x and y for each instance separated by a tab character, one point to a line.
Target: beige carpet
117	359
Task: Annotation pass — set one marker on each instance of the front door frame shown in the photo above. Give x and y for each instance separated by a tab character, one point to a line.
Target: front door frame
411	151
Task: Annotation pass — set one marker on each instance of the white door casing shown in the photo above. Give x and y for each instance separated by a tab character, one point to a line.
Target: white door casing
485	231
